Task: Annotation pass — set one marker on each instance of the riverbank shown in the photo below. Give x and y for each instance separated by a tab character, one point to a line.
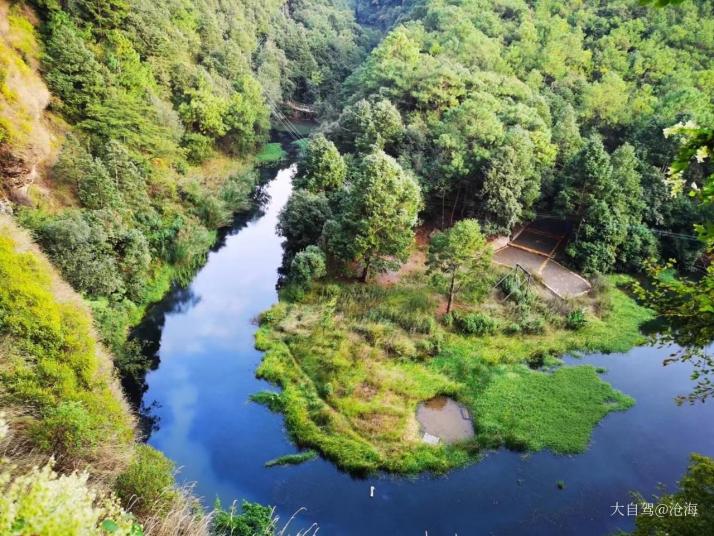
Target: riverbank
354	362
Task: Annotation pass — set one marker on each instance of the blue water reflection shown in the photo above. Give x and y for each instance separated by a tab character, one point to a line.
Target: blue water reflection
221	440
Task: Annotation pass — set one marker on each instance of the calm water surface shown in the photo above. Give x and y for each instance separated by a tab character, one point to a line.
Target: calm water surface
206	423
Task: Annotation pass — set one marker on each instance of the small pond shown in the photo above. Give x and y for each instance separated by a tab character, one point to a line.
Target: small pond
444	420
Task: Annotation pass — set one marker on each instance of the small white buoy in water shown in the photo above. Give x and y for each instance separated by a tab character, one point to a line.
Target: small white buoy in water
371	491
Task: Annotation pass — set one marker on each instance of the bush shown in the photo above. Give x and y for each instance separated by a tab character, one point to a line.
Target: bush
198	147
473	323
43	503
399	346
80	248
411	319
515	288
254	520
575	319
146	486
308	265
274	315
67	430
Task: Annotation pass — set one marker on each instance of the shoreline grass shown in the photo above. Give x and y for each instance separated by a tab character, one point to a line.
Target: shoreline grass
292	459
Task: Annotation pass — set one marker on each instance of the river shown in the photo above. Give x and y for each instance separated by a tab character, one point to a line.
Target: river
199	396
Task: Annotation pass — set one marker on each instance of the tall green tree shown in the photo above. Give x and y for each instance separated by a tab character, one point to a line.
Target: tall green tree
380	208
302	219
322	169
460	258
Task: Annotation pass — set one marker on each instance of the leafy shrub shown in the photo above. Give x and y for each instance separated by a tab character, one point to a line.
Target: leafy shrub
602	293
67	429
512	328
409	319
80	248
235	191
273	401
329	292
146	486
515	288
198	147
399	345
575	319
253	520
308	265
97	188
473	323
43	503
430	346
208	208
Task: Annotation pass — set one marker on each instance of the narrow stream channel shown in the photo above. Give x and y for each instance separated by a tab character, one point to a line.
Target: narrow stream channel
220	440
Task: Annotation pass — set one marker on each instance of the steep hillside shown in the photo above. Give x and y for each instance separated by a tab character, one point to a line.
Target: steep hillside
26	130
63	409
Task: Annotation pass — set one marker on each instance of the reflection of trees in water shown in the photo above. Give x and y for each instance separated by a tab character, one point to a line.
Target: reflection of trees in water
145	338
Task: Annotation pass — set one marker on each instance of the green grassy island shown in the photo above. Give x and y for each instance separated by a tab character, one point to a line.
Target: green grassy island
354	361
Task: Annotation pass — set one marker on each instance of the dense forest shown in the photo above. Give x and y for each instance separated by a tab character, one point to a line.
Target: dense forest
503	110
131	132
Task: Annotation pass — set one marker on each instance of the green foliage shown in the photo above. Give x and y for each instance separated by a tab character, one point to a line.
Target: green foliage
270	154
605	192
199	147
473	323
147	484
252	520
67	430
575	319
460	258
43	503
307	266
302	219
374	225
51	366
365	127
273	401
495	103
292	459
322	168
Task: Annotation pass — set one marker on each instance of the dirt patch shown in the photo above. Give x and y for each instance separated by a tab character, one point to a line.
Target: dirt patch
366	391
444	418
415	263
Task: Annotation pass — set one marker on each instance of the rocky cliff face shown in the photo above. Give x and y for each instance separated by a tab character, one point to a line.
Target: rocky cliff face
28	133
